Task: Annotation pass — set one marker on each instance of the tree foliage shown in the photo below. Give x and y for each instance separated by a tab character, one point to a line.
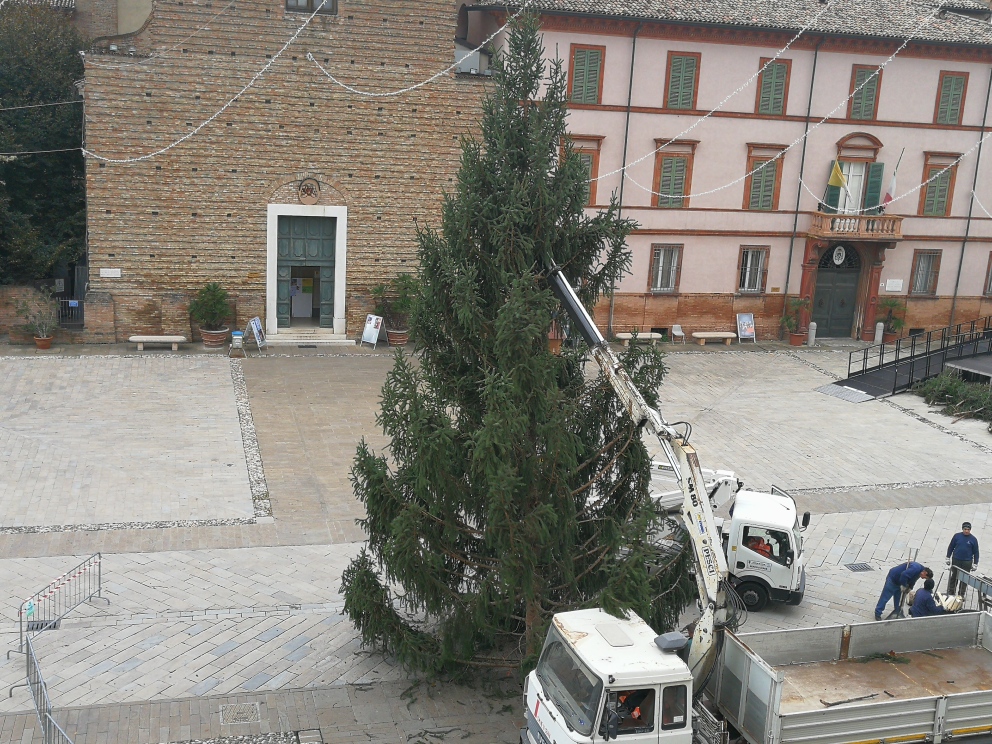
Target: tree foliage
42	197
515	486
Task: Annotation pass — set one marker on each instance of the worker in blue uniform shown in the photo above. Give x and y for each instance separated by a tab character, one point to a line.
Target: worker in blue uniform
962	552
923	604
898	581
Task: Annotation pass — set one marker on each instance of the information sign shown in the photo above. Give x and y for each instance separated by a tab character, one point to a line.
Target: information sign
745	326
371	333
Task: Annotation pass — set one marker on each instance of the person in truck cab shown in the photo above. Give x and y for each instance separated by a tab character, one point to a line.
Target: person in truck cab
898	581
924	605
758	545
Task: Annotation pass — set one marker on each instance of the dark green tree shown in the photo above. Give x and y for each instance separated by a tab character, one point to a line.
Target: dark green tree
42	197
515	486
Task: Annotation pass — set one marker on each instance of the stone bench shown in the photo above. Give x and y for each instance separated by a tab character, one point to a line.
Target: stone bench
142	340
651	338
702	337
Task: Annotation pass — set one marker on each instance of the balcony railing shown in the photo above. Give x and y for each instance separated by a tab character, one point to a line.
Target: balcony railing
856	226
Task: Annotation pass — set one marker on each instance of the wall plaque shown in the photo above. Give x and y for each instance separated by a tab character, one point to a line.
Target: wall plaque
309	191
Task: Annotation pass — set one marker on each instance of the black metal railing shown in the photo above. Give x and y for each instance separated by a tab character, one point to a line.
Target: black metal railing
44	609
912	359
71	314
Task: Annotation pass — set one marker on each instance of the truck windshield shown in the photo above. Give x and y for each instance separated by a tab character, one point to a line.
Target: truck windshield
572	686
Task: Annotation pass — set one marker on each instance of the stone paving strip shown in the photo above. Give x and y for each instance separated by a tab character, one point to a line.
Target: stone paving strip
105	441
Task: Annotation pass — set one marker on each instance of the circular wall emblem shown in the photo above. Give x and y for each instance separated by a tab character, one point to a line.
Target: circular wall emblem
839	255
309	191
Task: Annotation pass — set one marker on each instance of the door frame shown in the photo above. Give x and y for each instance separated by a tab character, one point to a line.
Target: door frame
274	212
858	309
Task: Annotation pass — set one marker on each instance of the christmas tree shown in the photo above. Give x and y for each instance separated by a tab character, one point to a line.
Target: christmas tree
515	486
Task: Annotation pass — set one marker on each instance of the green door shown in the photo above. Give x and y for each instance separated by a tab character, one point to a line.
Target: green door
836	292
306	241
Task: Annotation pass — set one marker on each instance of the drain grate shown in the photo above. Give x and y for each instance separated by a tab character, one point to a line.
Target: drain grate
858	567
306	346
239	713
36	626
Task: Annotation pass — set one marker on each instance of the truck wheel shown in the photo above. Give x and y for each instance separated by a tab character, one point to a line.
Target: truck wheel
754	595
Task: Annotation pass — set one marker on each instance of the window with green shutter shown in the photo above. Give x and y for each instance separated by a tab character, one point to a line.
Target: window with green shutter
864	87
672	181
771	94
586	158
762	190
682	71
950	97
937	193
587	67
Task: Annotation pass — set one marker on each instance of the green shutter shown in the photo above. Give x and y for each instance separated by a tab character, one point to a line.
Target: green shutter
681	82
586	159
763	186
935	201
873	187
672	182
863	103
831	198
772	98
951	95
585	75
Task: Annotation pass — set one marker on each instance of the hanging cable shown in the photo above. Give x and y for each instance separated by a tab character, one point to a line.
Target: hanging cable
39	105
795	142
980	205
36	152
432	78
222	109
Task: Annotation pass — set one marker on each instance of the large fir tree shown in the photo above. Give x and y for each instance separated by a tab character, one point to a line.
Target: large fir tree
515	486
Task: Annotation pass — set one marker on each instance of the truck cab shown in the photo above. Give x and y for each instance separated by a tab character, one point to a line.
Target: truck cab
603	678
763	543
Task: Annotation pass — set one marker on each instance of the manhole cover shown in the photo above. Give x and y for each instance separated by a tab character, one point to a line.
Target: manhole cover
239	713
858	567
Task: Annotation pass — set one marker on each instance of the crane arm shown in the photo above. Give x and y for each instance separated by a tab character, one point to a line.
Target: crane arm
697	512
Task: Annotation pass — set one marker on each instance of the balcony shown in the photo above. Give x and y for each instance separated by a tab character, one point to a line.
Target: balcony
856	226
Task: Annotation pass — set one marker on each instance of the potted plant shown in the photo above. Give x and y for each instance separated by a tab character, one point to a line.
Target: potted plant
394	302
790	321
210	308
41	317
894	321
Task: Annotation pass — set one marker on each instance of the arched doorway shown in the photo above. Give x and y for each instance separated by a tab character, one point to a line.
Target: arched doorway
836	291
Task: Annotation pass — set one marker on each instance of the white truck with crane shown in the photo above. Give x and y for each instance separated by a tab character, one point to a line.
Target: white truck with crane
601	677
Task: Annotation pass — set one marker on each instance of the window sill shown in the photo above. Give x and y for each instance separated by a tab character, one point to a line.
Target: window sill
921	296
308	11
664	292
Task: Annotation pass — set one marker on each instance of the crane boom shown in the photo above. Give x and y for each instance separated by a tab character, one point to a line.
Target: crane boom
697	512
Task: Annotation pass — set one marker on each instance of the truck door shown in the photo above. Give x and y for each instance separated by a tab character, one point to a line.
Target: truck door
637	711
675	728
764	561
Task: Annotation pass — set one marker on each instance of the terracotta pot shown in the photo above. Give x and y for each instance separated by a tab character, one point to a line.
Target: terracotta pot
43	343
214	339
888	338
397	338
797	339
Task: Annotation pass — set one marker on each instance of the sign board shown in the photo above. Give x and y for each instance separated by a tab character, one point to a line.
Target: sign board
745	326
60	285
110	273
73	303
893	285
255	324
371	333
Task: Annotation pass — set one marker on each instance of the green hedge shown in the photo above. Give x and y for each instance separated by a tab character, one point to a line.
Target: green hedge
958	398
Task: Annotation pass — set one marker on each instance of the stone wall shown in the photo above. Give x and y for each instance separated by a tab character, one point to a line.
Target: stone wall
197	213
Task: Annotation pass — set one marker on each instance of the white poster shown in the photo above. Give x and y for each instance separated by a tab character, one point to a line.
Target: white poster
256	328
371	333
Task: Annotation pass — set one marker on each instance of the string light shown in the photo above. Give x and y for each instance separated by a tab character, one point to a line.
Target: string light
39	105
146	60
795	142
36	152
742	87
205	122
429	80
979	203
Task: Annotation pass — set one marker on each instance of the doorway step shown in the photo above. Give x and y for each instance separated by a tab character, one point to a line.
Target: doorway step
308	336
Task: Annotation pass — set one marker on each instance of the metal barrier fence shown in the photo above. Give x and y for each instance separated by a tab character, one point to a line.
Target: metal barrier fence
51	731
43	610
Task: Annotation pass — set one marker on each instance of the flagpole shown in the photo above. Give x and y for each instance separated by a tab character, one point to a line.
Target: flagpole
898	162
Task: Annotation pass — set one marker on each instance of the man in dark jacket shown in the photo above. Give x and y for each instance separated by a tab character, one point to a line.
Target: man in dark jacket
924	605
898	581
961	553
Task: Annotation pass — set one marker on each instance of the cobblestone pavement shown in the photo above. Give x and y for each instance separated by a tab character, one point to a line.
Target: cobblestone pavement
205	615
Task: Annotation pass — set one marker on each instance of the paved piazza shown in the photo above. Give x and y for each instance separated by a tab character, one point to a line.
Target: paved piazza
169	465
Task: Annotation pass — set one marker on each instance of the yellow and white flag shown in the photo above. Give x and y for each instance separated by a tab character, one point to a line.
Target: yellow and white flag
837	177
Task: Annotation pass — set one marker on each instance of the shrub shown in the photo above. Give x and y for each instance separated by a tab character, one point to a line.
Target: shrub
211	307
40	312
957	397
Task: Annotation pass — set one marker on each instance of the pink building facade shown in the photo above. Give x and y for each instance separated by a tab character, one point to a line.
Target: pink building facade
734	209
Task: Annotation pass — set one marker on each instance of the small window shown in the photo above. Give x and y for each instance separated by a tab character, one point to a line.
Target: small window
682	79
773	88
926	268
665	267
586	149
635	709
587	73
762	183
672	177
330	7
753	269
864	89
674	708
936	196
950	97
772	544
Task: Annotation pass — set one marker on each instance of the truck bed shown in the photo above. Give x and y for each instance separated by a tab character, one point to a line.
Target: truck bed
943	672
